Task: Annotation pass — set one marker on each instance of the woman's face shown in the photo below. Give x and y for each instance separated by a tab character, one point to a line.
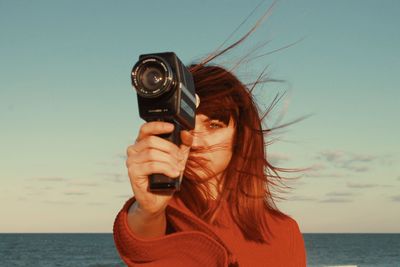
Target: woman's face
213	139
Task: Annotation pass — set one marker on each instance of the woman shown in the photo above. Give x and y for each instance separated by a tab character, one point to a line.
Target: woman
224	214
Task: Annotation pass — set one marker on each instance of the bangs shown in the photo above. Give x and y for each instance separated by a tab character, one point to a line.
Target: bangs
218	109
222	95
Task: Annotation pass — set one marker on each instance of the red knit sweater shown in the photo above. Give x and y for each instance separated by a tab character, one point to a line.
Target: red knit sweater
196	243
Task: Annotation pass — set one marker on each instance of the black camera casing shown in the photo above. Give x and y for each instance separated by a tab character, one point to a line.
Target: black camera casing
175	103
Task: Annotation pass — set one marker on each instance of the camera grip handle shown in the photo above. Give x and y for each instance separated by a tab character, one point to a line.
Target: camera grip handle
160	182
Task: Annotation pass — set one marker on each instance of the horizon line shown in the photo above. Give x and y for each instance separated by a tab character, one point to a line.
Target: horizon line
393	233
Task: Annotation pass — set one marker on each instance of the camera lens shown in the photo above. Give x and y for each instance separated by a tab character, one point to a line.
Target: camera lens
152	77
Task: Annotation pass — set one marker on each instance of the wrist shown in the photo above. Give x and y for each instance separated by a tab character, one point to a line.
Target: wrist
137	209
145	224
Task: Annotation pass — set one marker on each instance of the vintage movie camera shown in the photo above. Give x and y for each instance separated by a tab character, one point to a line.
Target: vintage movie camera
165	92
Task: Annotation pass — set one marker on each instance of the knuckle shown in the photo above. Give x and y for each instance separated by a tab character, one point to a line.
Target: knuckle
152	166
143	130
128	150
151	154
130	172
131	149
151	140
127	164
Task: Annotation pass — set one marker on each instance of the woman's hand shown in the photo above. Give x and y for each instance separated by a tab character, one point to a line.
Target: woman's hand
152	154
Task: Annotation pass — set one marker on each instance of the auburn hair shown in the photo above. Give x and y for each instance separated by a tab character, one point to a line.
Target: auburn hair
250	179
250	183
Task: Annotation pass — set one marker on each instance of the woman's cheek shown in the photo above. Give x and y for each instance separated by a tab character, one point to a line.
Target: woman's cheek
220	160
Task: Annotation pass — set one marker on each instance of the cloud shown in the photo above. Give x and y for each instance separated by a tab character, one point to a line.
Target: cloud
325	175
318	167
352	167
362	158
47	188
75	193
388	160
114	177
50	179
320	170
84	184
336	200
34	193
96	203
56	202
277	158
108	163
117	160
124	196
296	183
361	185
340	194
121	156
332	156
398	178
301	198
348	161
342	156
396	198
338	197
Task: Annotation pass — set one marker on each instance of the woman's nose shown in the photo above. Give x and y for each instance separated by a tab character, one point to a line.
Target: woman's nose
198	140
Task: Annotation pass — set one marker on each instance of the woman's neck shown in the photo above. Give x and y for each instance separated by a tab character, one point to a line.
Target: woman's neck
214	186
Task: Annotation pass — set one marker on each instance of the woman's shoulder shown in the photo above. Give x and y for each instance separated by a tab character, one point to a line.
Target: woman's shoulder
286	231
280	222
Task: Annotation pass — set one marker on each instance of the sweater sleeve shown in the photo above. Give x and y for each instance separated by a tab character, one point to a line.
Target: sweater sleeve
181	248
298	247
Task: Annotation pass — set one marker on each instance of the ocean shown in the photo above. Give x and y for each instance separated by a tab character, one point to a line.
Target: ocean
97	250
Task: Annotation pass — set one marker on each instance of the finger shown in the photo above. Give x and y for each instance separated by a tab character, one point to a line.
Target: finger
151	167
187	141
154	128
155	155
155	142
186	138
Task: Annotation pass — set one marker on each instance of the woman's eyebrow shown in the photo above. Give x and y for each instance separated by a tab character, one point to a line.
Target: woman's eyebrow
208	119
211	119
205	119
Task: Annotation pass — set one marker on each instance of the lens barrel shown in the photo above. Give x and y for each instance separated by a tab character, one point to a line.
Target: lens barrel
152	77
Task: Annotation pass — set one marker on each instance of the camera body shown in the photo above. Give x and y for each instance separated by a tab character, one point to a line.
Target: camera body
165	92
172	96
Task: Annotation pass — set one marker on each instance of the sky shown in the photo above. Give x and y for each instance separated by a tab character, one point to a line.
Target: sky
68	111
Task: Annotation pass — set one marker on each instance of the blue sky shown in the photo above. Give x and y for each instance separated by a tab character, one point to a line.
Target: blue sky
68	111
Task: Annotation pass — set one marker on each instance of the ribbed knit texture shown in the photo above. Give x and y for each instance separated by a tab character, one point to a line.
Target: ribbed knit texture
196	243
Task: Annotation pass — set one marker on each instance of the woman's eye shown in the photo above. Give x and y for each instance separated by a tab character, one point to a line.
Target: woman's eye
214	124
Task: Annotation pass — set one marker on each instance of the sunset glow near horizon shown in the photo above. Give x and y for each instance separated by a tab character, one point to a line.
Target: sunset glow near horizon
68	111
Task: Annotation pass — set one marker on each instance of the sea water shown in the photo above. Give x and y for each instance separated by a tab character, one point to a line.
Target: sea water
98	250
